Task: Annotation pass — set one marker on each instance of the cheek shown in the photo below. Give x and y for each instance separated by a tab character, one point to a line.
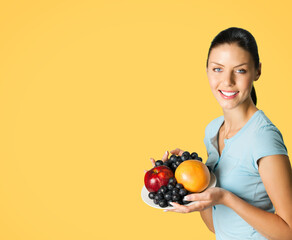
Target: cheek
245	83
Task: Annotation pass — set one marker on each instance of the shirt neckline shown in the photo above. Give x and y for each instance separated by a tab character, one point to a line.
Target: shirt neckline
241	130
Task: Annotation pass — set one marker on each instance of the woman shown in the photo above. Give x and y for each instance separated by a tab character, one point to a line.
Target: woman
246	152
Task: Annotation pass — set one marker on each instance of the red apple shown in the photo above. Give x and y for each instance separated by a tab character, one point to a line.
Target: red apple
157	177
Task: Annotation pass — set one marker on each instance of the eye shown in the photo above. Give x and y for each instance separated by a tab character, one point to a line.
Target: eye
217	69
241	70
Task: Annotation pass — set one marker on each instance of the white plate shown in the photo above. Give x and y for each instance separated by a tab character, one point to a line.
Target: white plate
150	202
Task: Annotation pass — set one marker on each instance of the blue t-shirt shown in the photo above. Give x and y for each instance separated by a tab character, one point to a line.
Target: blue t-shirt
236	170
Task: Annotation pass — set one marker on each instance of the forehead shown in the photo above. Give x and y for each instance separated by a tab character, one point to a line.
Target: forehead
230	54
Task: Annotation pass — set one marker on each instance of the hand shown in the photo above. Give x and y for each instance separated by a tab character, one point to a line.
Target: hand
176	151
164	158
208	198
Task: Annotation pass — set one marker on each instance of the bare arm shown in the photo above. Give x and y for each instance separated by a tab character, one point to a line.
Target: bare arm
206	215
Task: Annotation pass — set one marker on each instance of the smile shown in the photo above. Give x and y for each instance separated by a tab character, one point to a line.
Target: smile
228	95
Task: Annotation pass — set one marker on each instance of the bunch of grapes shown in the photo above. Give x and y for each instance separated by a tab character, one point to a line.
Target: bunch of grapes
173	191
174	161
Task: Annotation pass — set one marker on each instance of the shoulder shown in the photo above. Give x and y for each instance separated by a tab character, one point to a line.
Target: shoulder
263	126
212	129
266	139
213	126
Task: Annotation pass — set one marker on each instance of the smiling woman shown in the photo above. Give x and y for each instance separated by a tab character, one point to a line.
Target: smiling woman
245	41
246	151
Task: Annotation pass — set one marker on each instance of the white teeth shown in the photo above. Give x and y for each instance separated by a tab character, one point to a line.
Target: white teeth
228	94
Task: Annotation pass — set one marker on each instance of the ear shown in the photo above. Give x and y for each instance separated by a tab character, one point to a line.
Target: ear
258	72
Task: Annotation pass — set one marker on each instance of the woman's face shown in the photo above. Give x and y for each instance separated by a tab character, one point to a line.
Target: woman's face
231	73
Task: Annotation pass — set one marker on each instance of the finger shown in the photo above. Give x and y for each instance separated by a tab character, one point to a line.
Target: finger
165	156
195	197
152	161
178	208
200	205
177	151
200	201
196	206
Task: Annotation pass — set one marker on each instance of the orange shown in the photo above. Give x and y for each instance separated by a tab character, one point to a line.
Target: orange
193	175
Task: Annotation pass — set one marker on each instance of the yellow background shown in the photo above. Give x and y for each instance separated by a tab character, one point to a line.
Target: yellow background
90	90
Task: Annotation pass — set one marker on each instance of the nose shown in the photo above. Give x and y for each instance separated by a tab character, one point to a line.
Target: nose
228	79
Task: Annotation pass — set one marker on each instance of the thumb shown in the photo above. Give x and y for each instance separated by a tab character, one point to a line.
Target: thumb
194	197
165	156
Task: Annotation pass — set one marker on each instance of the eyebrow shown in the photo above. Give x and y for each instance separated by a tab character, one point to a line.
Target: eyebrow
235	66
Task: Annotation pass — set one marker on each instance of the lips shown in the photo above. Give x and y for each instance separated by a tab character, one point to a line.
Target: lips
228	94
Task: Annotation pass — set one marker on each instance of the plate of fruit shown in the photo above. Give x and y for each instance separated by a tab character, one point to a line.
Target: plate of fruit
175	178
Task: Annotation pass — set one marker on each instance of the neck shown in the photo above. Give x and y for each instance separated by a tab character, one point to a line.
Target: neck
235	119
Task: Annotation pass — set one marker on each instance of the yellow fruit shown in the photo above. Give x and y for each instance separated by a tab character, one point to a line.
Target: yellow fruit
193	175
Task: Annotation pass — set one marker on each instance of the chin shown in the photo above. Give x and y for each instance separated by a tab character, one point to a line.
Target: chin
228	106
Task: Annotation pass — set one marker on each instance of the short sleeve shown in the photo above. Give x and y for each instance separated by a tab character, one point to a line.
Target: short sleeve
268	141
